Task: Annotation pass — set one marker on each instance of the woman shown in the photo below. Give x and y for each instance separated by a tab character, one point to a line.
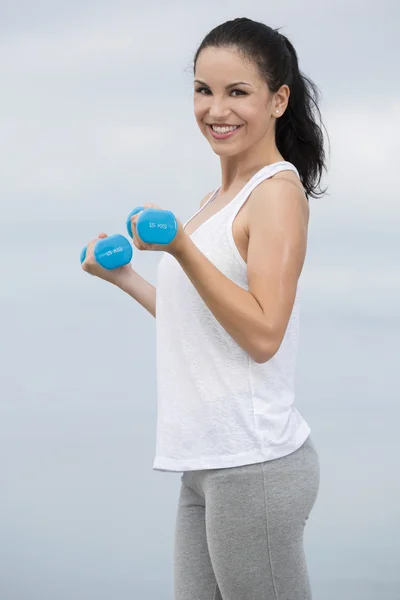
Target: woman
227	310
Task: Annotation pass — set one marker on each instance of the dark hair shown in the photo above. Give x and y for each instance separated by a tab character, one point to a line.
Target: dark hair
299	136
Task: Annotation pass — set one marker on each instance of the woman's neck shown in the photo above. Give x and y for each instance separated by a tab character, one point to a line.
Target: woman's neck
241	167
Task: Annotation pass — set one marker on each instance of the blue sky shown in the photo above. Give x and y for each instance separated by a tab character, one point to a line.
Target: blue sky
96	117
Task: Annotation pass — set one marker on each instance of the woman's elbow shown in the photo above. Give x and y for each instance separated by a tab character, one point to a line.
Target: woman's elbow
264	351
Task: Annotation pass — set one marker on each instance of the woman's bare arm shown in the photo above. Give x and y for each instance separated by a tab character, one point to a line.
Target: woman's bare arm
140	290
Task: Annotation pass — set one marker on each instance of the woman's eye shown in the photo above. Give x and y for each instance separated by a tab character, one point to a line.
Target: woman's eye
202	90
240	92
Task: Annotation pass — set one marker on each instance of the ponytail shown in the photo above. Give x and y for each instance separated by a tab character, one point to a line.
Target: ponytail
299	136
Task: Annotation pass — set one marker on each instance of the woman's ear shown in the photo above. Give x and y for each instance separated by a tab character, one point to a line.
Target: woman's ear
281	100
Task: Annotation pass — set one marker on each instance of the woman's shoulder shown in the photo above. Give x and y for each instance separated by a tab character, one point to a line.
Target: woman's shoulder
287	175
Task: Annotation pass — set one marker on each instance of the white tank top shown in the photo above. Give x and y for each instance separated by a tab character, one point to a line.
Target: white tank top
216	406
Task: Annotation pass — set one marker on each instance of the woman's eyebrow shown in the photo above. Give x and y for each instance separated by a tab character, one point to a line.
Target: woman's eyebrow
230	85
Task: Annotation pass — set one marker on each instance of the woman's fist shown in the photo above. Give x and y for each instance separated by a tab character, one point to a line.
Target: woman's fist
91	266
171	248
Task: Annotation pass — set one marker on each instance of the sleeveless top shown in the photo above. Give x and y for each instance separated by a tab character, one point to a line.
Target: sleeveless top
216	406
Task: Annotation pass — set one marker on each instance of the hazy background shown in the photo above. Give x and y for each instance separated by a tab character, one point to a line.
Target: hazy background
95	118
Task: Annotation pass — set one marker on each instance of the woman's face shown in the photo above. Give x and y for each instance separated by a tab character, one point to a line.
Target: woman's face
232	104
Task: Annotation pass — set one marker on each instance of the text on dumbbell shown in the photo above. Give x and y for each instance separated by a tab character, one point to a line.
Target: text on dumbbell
114	251
158	225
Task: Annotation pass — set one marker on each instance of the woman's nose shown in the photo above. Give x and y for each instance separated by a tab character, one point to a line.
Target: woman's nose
218	110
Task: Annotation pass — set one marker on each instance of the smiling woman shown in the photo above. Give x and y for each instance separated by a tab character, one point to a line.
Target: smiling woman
227	313
263	56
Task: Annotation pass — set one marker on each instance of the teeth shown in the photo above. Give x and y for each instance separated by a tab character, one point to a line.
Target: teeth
224	129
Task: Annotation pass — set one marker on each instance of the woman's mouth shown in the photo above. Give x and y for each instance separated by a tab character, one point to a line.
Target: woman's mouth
223	132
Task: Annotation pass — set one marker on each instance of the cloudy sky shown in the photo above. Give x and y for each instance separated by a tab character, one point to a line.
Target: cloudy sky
95	118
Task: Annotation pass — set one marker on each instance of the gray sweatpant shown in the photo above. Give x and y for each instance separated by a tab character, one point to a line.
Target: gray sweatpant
239	530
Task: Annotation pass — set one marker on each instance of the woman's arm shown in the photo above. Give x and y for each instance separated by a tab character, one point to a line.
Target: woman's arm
277	227
140	290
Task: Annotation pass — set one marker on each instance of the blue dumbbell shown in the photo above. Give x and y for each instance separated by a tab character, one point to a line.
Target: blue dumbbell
111	252
153	226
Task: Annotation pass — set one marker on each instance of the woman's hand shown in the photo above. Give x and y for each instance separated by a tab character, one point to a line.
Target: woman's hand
90	265
173	247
